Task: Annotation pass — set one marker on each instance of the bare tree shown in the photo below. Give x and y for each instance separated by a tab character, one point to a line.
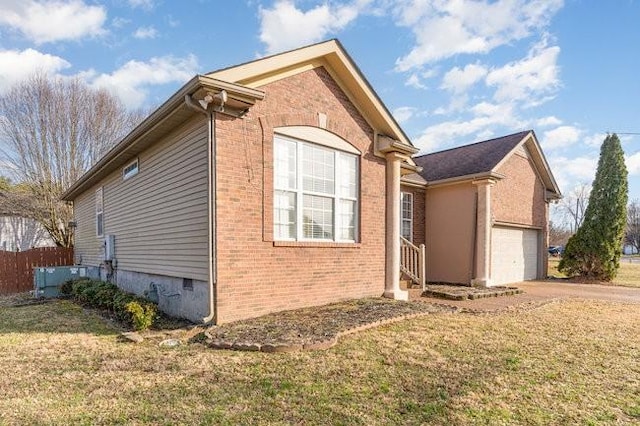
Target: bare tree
54	130
632	235
573	206
558	235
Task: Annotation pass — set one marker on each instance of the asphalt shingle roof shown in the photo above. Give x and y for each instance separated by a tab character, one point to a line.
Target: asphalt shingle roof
479	157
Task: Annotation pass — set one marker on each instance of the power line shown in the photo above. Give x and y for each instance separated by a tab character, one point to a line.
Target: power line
626	133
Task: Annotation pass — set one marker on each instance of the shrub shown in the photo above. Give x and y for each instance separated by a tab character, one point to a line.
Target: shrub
128	308
142	314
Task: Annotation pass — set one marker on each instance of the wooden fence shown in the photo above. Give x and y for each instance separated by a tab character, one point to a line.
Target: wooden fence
16	269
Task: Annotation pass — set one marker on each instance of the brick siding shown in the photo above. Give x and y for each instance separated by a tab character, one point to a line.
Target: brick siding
256	276
519	198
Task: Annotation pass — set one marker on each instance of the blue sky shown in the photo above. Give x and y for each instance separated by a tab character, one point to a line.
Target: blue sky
452	72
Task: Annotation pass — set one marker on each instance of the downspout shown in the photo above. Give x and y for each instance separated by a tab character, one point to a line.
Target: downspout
474	271
203	108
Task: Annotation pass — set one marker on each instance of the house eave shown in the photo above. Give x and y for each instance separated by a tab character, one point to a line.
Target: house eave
466	178
333	57
240	99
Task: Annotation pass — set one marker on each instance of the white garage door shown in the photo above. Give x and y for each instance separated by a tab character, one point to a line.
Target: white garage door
514	255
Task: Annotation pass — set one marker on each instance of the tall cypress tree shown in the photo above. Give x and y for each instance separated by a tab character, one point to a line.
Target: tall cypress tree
594	251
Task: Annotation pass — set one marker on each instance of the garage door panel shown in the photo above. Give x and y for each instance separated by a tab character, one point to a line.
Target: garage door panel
514	255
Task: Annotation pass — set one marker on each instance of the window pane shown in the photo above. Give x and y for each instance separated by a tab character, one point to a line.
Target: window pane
284	215
347	220
406	230
347	178
406	219
407	205
284	164
318	169
99	224
317	217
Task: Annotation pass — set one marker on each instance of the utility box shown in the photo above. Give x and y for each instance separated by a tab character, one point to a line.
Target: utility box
47	280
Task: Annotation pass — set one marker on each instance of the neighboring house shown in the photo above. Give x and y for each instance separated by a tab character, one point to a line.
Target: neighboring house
20	234
486	215
266	186
284	183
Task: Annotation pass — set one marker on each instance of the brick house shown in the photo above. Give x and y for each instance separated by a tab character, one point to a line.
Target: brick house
266	186
486	211
276	184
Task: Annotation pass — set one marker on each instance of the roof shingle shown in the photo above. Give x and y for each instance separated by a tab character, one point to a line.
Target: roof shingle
479	157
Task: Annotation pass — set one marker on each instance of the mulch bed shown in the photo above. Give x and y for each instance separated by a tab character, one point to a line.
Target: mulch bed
312	328
461	292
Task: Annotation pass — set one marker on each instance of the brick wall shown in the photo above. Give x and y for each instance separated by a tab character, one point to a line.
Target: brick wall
257	275
418	213
519	198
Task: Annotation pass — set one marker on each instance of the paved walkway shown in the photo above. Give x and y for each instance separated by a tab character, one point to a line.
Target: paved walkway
540	292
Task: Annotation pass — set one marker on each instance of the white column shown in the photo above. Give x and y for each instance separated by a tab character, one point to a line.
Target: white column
483	234
392	288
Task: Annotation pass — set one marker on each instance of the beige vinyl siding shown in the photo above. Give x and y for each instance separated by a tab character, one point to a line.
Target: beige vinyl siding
159	216
88	248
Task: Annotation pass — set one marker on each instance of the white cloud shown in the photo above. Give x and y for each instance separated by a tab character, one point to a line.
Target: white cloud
458	80
15	65
285	26
446	28
145	33
569	172
548	121
415	82
52	21
560	137
119	22
633	163
143	4
528	79
595	140
130	82
457	103
488	116
403	114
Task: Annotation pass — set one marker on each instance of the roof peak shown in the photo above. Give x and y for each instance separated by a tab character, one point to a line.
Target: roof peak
523	132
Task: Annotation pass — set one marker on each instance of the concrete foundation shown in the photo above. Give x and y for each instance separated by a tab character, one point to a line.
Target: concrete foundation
175	296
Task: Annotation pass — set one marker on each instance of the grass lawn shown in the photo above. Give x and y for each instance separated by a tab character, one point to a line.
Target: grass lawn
573	362
628	274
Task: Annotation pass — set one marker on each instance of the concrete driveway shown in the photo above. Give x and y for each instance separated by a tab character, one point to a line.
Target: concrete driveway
543	291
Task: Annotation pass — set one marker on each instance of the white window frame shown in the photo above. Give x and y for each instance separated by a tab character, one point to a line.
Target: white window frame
409	220
131	169
300	192
99	212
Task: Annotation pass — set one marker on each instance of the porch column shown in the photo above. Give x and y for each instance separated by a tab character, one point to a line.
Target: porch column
392	288
483	234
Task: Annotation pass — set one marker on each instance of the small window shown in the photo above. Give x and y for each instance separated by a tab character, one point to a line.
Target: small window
130	170
406	217
99	213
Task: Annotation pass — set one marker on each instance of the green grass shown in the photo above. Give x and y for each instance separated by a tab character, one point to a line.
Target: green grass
573	362
628	274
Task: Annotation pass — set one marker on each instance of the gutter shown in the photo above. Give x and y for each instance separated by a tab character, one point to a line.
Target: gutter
203	107
198	84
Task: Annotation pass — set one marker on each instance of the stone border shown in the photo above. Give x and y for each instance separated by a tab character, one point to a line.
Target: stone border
471	293
309	346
